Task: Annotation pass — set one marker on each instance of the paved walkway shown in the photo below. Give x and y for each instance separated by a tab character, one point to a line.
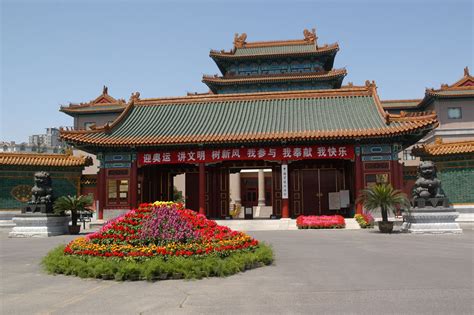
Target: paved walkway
316	272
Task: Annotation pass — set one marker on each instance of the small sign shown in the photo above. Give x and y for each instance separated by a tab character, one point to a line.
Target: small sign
334	201
284	181
345	198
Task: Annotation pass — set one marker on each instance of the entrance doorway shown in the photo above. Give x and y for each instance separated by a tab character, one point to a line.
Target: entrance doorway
317	184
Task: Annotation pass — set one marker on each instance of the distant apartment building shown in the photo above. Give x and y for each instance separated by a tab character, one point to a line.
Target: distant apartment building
40	143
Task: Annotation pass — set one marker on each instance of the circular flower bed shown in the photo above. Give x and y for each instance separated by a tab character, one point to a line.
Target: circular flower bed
159	241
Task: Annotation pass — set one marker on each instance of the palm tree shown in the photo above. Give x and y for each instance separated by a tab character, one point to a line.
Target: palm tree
385	197
74	204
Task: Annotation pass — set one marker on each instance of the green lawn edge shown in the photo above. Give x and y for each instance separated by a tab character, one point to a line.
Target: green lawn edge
157	268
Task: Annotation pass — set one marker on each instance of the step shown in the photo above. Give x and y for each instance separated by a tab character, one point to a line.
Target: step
351	224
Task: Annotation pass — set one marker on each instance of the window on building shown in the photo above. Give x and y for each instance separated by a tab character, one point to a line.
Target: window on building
407	155
117	192
454	113
88	125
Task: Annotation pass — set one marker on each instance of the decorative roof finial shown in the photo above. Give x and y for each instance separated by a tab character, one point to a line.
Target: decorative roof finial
135	97
466	72
438	140
239	41
310	36
105	90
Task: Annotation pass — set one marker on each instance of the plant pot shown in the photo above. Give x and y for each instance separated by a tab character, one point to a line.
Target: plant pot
74	229
385	227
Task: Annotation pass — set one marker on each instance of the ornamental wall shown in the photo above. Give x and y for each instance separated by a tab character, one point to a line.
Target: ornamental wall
16	184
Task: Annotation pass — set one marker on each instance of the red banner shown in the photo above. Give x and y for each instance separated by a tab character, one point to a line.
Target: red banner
290	153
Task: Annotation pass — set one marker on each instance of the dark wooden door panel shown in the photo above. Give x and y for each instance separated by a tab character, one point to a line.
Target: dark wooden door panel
328	183
276	190
310	192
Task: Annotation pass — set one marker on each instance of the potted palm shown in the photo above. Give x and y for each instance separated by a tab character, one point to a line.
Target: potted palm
75	205
385	197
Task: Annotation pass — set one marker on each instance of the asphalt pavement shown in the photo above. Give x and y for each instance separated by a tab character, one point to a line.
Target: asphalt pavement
315	272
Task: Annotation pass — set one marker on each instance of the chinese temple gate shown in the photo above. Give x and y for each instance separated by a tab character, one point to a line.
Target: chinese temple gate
279	106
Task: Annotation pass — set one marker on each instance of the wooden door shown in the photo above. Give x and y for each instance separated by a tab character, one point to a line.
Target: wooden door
217	192
157	185
327	184
249	191
310	186
276	190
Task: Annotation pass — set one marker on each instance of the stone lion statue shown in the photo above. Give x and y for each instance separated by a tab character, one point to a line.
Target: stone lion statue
427	185
42	193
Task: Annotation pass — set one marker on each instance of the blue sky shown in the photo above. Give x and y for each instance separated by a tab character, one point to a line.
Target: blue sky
56	52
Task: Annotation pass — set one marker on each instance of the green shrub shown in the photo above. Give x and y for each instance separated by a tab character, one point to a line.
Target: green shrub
156	268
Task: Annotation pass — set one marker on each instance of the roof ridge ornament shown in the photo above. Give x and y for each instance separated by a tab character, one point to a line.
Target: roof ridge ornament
105	90
134	97
466	72
239	40
310	36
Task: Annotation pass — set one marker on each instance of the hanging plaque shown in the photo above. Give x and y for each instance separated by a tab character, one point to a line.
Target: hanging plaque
284	181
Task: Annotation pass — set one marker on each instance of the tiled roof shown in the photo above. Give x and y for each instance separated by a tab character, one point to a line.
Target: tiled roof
438	148
113	108
464	87
104	103
346	113
400	103
276	50
39	159
243	49
465	91
308	76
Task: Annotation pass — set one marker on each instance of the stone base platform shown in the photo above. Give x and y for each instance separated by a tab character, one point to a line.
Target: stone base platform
39	225
6	218
431	220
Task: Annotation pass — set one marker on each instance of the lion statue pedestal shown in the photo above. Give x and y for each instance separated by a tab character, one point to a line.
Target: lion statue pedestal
431	213
37	218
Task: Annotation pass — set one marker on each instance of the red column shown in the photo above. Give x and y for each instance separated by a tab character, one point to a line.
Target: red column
359	181
285	209
400	175
101	192
133	185
394	174
202	189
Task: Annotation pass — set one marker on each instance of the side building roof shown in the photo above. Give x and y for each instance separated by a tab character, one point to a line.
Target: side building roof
462	88
345	114
104	103
39	159
444	149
